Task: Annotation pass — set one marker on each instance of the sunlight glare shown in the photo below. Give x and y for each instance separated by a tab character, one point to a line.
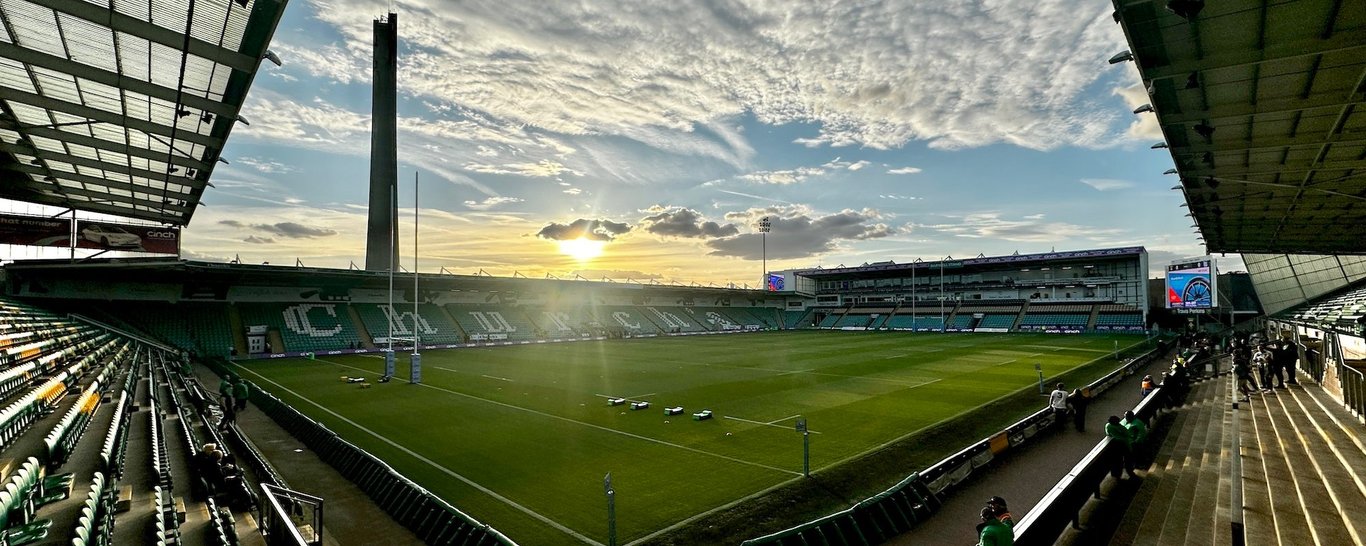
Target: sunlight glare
582	249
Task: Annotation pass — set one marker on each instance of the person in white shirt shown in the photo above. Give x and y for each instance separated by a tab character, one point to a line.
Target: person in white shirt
1057	401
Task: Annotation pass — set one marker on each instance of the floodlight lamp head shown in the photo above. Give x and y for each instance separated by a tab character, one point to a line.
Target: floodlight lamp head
1122	56
1144	109
243	120
1158	146
1169	171
1193	80
272	57
1204	129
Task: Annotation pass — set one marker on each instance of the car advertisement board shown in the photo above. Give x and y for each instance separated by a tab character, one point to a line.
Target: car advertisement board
112	236
16	229
1191	284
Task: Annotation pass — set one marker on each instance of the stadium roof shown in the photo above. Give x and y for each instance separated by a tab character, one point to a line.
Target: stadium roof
223	275
1260	102
881	268
123	106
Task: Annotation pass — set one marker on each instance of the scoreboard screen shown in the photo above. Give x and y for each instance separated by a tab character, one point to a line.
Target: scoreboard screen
1191	284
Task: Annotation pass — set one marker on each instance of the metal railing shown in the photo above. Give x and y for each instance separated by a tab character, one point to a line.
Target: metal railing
1235	470
1353	389
291	518
1062	504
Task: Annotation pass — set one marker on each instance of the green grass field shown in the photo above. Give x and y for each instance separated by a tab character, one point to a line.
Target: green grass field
521	437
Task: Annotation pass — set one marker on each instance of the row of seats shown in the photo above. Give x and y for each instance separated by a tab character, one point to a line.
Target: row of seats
116	439
1056	319
21	413
161	468
96	524
997	321
24	492
60	442
1119	319
166	524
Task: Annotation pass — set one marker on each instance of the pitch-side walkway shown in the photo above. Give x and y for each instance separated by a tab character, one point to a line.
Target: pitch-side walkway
349	516
1025	476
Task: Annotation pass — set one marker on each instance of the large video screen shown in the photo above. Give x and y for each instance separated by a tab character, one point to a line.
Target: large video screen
1191	284
776	282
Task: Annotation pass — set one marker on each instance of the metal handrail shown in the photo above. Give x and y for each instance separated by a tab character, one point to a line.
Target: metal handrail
1235	502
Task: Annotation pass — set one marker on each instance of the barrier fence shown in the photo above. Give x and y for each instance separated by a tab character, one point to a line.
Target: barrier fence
433	520
917	497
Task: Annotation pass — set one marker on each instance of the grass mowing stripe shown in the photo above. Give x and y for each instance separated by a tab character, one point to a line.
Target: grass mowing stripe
728	505
589	425
430	462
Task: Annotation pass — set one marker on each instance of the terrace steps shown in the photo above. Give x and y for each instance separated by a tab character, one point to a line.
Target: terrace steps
1178	497
1314	470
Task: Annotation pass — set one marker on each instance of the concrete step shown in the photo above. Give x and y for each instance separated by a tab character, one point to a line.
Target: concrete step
1154	518
1177	421
1316	502
1212	472
1276	519
1181	503
1332	463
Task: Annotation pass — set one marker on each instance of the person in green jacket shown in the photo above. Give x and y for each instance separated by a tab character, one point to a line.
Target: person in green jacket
1138	433
994	531
239	391
225	389
1117	433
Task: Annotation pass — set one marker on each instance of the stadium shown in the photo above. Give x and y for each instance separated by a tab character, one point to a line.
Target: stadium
163	382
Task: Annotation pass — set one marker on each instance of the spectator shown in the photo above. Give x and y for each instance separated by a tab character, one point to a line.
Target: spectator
1138	433
1261	364
1120	436
1078	400
998	507
1291	355
1146	387
206	466
994	532
229	415
239	392
225	390
1057	401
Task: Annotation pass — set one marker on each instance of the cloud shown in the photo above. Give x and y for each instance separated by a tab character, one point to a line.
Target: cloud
896	197
684	222
258	240
594	229
1144	126
491	202
991	225
836	164
869	73
783	177
797	232
543	168
292	230
266	166
1107	184
904	170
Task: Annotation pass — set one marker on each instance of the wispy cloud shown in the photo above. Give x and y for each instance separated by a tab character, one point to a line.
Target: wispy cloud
1107	184
491	202
904	170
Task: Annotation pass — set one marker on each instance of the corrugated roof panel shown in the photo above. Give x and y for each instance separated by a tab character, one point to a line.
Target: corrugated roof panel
89	43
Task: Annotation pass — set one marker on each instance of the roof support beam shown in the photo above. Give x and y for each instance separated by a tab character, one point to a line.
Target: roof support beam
1257	169
80	110
1346	40
85	71
95	181
92	206
1268	106
105	17
104	166
102	144
1269	144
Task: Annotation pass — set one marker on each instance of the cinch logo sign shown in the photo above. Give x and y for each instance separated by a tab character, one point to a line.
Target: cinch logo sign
164	235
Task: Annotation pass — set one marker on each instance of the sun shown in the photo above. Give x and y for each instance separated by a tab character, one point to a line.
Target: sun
582	249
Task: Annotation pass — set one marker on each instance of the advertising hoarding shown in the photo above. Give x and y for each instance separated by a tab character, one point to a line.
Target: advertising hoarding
1191	284
16	229
114	236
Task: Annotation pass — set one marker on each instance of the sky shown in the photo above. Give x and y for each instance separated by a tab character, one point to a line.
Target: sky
652	136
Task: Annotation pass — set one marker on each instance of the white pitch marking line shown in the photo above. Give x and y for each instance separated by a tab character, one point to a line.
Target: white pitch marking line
776	421
591	425
432	463
495	377
799	371
760	423
635	398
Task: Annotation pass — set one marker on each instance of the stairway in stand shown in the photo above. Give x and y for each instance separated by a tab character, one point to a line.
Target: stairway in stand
1183	497
1303	470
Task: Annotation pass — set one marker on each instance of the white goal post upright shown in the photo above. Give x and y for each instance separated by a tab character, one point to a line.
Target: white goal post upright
415	364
